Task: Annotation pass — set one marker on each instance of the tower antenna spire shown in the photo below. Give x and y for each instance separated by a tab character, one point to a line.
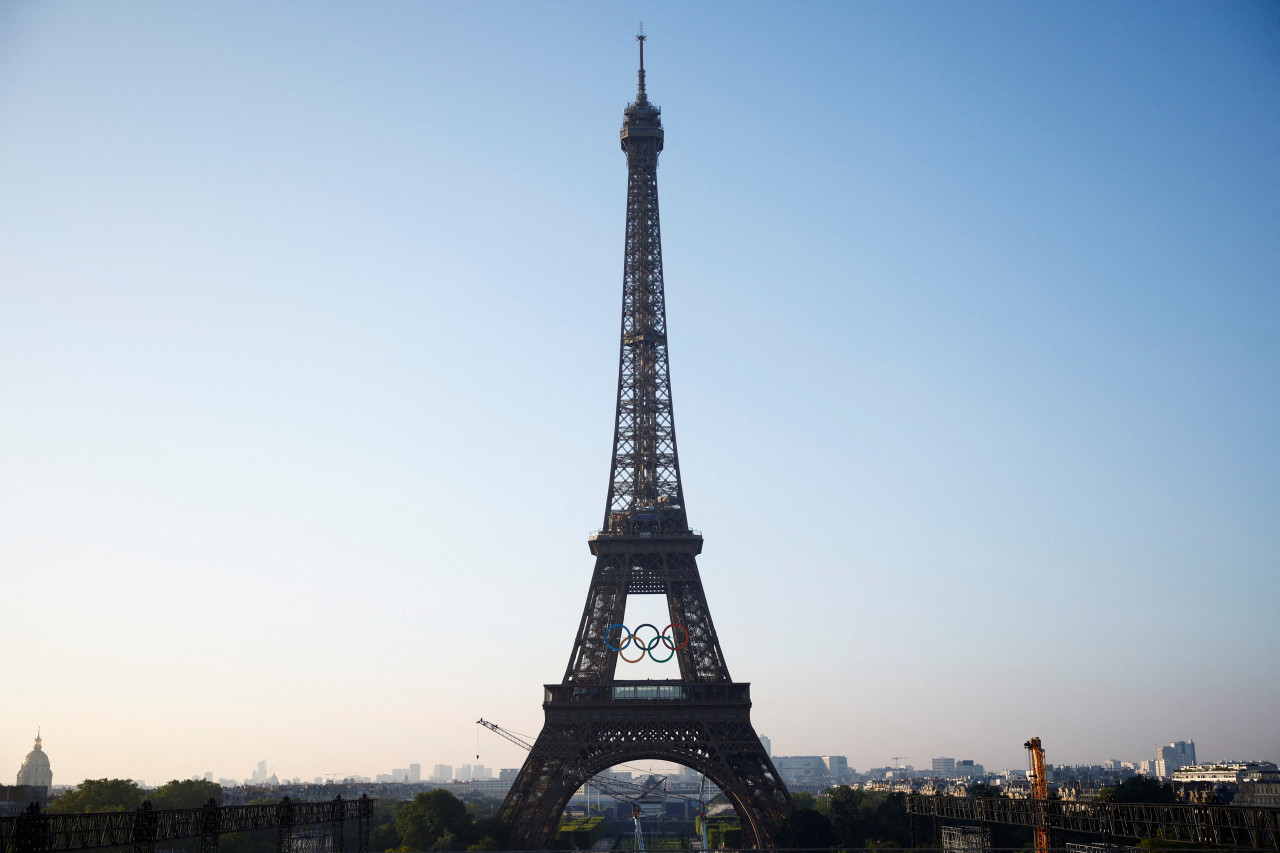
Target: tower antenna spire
640	95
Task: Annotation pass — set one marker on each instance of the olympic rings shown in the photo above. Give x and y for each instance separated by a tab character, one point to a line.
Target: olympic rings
663	637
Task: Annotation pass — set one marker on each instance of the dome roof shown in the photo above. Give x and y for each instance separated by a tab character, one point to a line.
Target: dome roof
35	768
36	757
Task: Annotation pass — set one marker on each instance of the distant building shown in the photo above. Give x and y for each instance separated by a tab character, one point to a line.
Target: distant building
838	768
1259	788
261	776
442	773
14	799
415	772
509	774
945	767
806	772
967	769
35	770
764	741
1177	754
1233	772
491	787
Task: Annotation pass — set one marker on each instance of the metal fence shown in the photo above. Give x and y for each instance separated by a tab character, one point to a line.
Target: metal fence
1204	825
35	831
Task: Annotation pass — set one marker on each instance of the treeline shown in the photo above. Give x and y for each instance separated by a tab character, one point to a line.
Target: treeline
124	795
847	817
437	821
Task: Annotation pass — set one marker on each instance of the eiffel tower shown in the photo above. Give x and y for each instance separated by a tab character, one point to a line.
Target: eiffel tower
645	547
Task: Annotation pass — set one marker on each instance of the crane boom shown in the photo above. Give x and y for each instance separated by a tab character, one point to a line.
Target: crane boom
615	788
499	730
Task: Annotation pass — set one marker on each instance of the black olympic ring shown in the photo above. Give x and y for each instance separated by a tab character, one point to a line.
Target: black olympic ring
662	637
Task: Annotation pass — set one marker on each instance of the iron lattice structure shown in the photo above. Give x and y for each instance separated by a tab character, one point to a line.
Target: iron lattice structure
143	829
1199	825
645	547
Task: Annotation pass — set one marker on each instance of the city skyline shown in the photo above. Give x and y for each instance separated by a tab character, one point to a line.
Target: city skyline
422	771
311	320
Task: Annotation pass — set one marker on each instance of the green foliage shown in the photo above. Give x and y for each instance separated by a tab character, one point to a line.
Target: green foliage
866	818
382	827
434	820
581	833
804	800
256	841
99	795
492	828
982	789
806	828
1139	789
483	807
185	794
720	830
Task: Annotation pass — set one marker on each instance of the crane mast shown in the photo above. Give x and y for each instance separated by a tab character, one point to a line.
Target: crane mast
1039	791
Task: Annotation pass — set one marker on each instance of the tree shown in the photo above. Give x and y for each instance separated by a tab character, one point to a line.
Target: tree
982	789
1140	789
382	829
866	818
481	807
807	828
434	820
492	829
803	800
186	794
99	795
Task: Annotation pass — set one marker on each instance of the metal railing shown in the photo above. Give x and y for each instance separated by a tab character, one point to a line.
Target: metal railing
650	692
35	831
1208	825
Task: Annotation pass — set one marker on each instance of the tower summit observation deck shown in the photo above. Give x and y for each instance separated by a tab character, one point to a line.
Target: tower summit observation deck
645	547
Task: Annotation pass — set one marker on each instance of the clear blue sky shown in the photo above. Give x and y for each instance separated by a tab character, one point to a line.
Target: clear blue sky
308	319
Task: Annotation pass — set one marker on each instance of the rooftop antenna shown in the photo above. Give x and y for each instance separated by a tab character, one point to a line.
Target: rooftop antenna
640	38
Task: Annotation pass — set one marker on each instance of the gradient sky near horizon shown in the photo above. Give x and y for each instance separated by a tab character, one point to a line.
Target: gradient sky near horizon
308	323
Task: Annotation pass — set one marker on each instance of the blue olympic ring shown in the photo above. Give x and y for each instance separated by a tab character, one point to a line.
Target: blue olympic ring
646	648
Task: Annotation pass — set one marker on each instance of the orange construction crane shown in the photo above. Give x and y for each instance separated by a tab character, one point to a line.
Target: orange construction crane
1039	791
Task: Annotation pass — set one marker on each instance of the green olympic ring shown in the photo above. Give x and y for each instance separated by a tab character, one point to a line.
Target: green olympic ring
663	637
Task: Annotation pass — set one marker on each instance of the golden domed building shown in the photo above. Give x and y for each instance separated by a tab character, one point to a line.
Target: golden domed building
35	767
